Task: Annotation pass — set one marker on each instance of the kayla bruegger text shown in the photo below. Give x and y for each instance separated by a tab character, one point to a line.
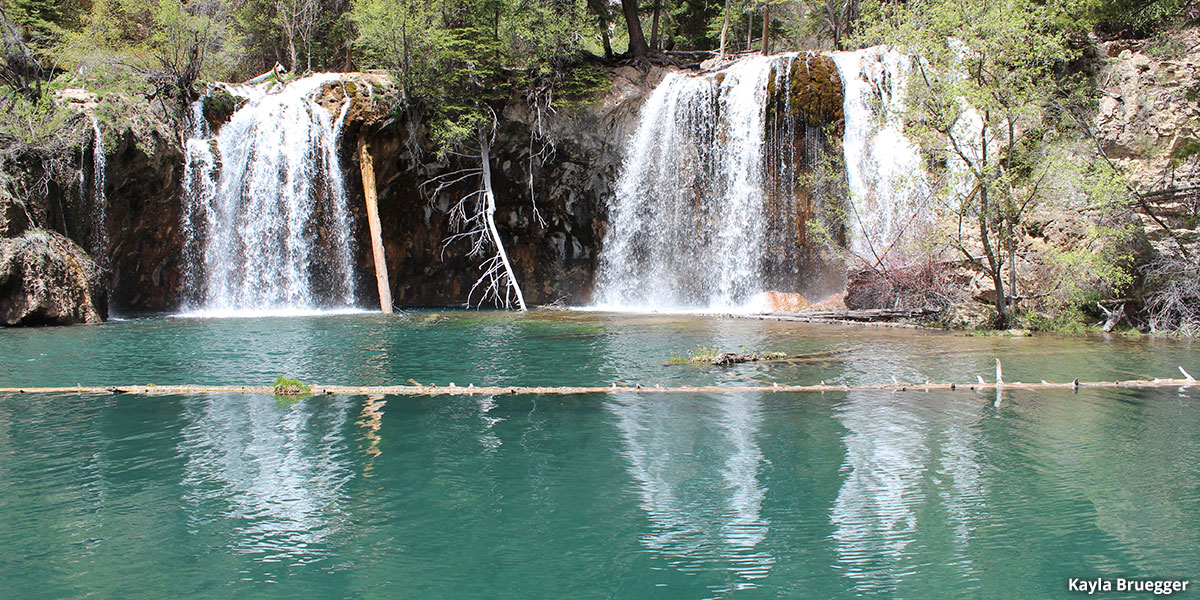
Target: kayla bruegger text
1158	587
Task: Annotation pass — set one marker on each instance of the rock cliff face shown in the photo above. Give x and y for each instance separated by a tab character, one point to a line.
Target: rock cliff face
145	244
552	171
1148	118
805	168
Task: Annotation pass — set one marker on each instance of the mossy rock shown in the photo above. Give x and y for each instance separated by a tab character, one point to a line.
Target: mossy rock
219	106
812	91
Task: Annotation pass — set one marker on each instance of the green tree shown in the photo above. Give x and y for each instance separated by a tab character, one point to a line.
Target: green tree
987	90
41	18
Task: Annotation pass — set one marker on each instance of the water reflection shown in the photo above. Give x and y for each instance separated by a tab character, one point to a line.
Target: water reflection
913	489
371	421
696	465
273	472
697	476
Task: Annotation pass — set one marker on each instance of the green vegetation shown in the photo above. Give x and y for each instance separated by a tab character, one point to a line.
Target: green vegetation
700	354
291	387
710	355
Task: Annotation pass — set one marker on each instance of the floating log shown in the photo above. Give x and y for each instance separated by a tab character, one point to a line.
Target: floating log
367	166
435	390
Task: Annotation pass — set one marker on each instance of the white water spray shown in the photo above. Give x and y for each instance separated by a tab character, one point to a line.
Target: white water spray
883	168
686	228
267	225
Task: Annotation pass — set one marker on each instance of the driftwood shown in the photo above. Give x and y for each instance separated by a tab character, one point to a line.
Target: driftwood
1113	317
452	390
874	314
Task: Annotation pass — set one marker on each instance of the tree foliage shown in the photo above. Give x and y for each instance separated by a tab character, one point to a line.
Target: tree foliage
460	58
989	95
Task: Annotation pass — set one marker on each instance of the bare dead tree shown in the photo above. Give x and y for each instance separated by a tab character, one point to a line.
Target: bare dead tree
473	218
839	18
299	19
1174	303
724	30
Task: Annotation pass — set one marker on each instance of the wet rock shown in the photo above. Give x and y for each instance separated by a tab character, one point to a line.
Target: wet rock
219	105
13	218
46	279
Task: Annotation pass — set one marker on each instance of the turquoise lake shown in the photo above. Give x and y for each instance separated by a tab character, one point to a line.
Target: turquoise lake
839	495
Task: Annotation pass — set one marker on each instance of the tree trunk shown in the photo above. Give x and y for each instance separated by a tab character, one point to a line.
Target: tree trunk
637	39
995	260
1012	260
766	36
367	167
724	30
490	209
287	19
601	10
749	29
291	45
654	25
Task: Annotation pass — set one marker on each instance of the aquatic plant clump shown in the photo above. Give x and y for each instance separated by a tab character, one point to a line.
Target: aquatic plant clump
291	387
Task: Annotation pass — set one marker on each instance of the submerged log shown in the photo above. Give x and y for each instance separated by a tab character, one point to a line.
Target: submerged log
878	317
733	358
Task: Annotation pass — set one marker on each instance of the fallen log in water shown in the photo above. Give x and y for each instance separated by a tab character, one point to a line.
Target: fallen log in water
733	358
452	390
877	317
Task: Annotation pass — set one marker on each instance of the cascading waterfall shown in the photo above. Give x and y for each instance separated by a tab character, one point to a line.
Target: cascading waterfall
267	226
687	224
719	181
883	168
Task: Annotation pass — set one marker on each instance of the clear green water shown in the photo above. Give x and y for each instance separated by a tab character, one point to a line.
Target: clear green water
895	495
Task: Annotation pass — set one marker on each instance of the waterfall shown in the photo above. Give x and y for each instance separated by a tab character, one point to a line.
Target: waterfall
883	168
266	222
719	186
97	239
686	226
724	174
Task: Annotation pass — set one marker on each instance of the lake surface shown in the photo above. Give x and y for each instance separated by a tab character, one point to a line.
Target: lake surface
837	495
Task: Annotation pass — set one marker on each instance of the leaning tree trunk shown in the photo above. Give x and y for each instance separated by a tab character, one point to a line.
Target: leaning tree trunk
600	7
637	39
367	168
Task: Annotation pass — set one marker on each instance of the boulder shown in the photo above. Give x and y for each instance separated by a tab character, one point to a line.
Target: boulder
14	219
46	279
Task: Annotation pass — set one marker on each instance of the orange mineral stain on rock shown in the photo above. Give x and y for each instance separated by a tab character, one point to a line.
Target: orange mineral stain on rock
781	302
